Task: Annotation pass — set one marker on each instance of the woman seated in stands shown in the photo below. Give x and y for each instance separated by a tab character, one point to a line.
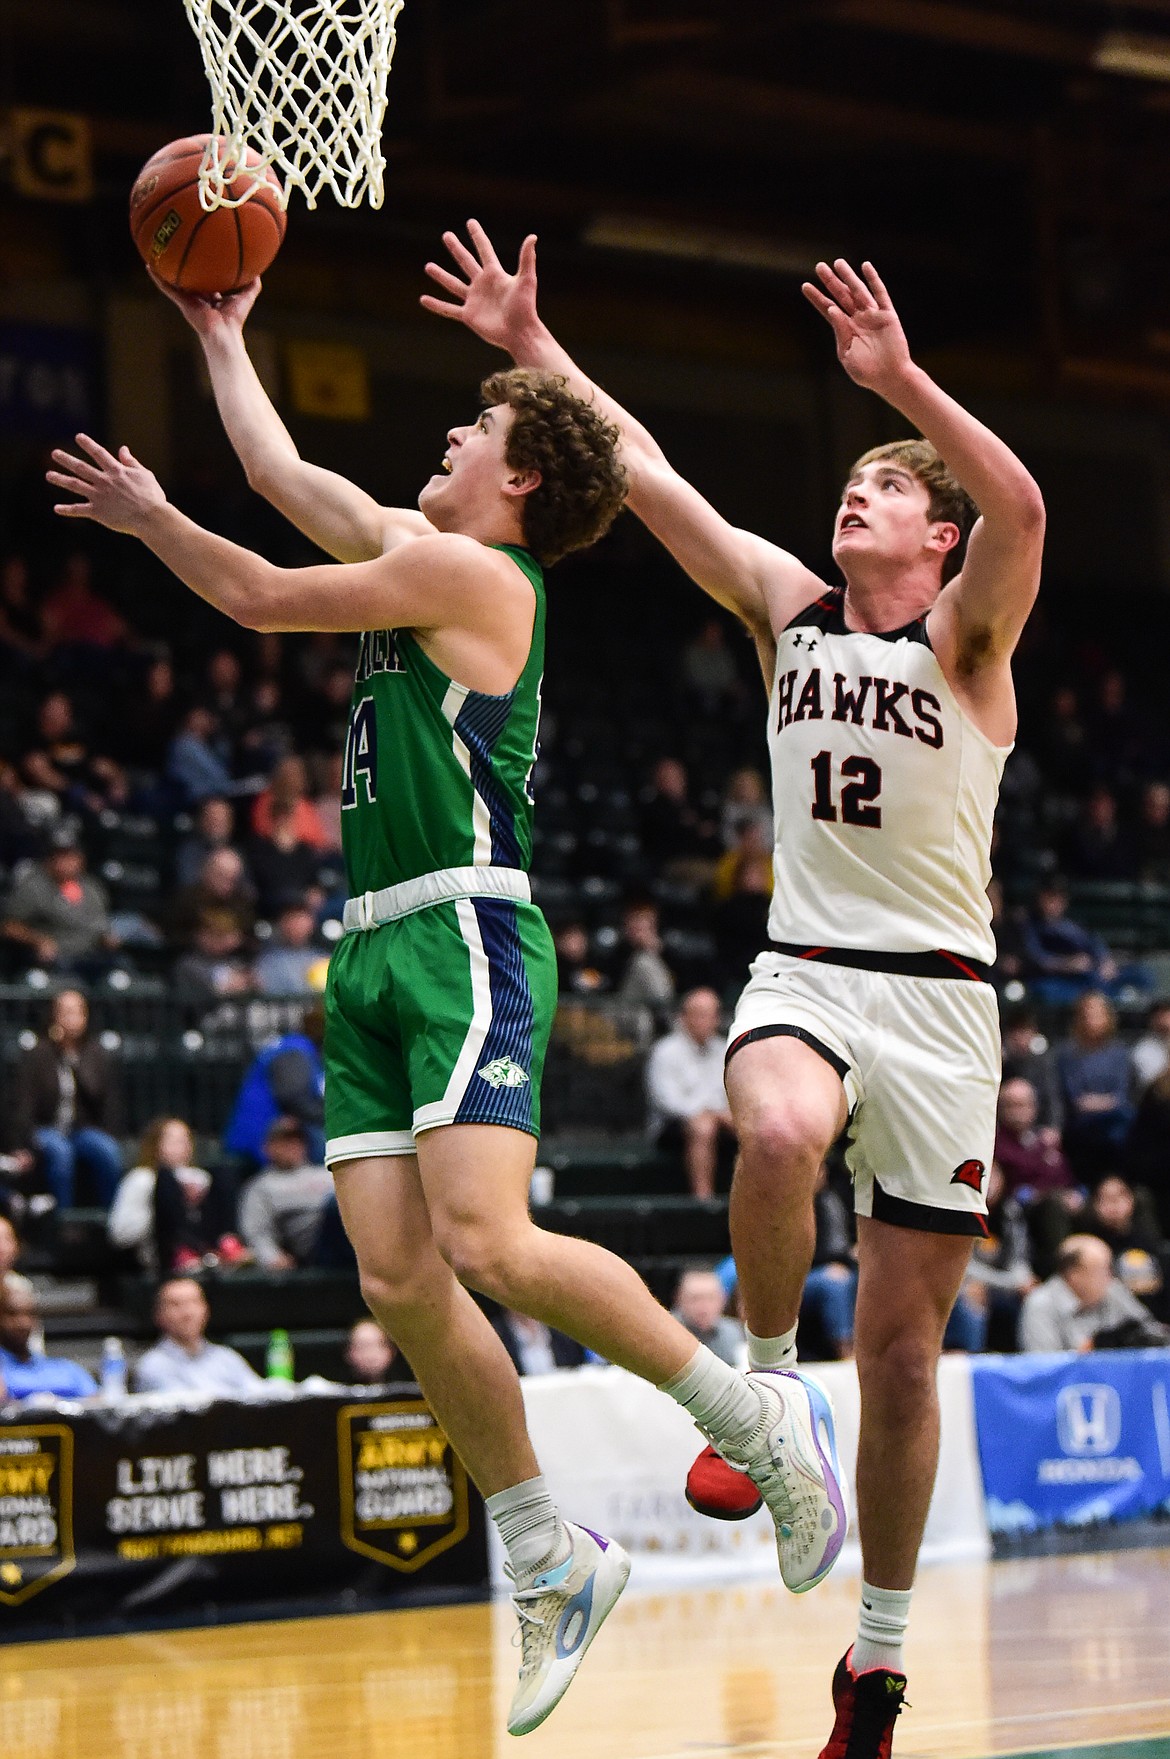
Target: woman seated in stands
173	1214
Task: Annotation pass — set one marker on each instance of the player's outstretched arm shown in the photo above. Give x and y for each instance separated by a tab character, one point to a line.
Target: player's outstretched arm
760	582
432	582
334	513
981	614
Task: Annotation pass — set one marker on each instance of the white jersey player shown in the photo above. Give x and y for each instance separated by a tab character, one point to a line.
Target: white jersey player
891	714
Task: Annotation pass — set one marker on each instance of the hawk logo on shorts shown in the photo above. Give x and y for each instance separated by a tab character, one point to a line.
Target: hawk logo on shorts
503	1072
971	1174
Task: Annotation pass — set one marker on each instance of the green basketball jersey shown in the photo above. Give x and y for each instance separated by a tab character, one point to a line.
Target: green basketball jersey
437	775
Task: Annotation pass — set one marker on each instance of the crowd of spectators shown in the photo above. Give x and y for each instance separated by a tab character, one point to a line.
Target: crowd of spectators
173	811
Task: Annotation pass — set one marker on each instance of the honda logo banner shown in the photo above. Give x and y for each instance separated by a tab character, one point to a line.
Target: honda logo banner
1069	1441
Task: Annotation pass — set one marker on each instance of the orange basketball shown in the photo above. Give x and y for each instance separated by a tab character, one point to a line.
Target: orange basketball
194	250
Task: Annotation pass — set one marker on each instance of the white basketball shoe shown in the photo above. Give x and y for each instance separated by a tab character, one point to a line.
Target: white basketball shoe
560	1613
794	1467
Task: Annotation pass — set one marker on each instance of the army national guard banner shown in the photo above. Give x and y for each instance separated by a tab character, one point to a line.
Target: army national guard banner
139	1512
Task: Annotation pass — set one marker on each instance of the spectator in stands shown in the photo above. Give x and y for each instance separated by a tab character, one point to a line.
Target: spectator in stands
1001	1264
223	693
1097	847
18	835
534	1347
291	965
675	834
76	616
1147	1155
22	636
214	829
1030	1157
1081	1302
699	1301
1063	747
326	777
742	889
1096	1084
1152	839
745	802
324	716
286	1079
1150	1056
684	1087
577	975
24	1370
217	964
282	1207
1063	958
643	976
267	736
288	795
195	761
1028	1055
59	761
143	736
708	672
830	1289
56	910
369	1354
66	1103
183	1361
223	884
282	864
173	1214
1125	1220
1118	738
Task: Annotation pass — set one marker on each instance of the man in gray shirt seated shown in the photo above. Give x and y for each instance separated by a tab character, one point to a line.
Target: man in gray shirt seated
1083	1299
281	1208
699	1301
183	1361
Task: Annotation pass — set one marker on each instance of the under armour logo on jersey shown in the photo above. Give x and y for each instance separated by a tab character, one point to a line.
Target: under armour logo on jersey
971	1174
805	641
503	1072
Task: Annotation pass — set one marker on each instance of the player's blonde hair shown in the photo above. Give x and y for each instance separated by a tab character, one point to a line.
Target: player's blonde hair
949	501
582	482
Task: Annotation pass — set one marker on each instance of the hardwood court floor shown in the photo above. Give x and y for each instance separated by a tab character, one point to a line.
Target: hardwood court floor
1032	1658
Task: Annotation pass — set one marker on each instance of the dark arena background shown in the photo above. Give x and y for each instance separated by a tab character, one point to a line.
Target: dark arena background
301	1565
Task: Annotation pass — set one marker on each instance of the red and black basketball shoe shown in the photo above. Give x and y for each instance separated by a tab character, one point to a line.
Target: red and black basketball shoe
867	1706
714	1488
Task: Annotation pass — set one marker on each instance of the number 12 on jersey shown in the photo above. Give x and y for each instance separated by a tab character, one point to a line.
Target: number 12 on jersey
861	788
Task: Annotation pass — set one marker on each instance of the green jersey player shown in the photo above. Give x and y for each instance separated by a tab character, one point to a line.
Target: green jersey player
442	990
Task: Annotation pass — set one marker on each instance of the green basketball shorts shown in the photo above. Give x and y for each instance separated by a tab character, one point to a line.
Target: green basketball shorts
439	1017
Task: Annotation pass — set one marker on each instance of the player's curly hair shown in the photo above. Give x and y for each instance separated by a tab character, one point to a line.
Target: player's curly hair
582	482
948	500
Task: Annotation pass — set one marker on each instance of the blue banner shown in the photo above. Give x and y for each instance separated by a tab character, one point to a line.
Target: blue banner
48	381
1072	1440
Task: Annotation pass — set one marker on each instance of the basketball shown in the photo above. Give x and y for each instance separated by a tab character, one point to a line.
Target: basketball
190	248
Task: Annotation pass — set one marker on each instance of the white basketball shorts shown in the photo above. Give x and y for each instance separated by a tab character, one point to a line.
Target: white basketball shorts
919	1058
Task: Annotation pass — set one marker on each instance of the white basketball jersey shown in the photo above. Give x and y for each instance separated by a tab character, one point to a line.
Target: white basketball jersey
884	793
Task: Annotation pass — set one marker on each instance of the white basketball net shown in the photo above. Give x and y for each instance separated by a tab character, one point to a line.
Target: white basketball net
303	83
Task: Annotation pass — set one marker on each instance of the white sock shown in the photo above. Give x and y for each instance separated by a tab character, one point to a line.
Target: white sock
719	1399
533	1533
772	1352
881	1626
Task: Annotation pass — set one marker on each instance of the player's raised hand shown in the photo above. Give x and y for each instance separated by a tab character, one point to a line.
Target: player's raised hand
499	307
211	313
116	492
871	344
